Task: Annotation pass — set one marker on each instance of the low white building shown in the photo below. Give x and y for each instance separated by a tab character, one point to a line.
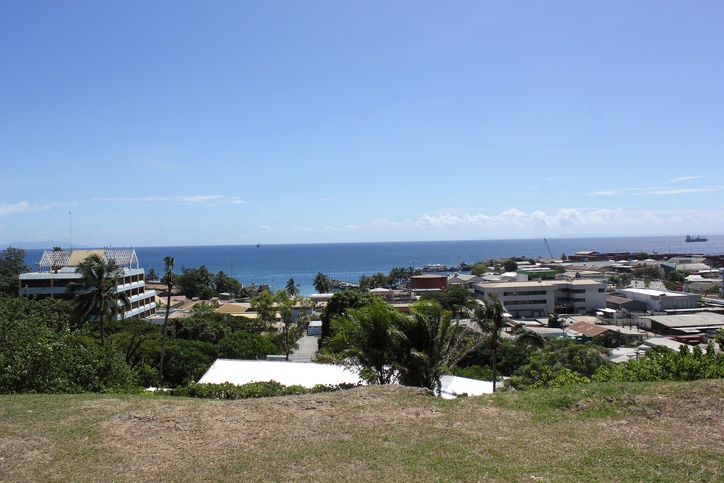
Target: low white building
306	374
314	328
662	300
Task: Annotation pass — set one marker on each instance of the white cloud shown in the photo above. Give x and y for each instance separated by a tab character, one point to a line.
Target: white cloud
192	199
681	179
658	190
565	220
20	207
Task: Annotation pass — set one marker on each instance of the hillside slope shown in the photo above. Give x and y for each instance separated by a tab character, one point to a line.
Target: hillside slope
643	432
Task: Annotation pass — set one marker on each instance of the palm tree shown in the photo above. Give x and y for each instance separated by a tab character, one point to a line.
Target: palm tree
97	296
490	316
322	284
368	339
292	288
170	280
435	344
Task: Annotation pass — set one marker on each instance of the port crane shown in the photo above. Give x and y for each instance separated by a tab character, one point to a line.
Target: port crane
549	248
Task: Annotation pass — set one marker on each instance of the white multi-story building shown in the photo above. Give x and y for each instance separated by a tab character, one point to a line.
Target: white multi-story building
57	269
539	299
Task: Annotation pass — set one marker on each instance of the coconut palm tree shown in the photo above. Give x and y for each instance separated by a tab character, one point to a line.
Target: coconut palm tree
292	288
490	316
322	283
170	280
434	344
368	340
97	296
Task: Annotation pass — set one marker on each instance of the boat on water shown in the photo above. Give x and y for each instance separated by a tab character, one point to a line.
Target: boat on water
696	238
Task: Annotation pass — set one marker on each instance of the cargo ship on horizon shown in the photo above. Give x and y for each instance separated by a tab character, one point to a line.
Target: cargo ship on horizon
696	238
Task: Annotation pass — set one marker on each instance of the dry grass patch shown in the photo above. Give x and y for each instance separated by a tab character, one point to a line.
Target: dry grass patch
667	431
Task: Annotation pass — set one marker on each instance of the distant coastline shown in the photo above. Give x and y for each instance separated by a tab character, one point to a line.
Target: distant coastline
274	264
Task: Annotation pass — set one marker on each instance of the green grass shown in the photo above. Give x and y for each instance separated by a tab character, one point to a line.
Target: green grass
595	432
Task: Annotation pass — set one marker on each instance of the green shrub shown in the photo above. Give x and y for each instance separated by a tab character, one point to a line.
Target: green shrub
252	390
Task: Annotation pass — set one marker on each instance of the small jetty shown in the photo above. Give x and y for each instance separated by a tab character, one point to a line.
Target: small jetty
438	267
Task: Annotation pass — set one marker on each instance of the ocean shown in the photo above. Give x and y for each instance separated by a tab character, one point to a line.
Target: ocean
276	264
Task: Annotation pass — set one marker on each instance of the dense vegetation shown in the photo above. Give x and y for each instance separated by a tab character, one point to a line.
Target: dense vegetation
57	346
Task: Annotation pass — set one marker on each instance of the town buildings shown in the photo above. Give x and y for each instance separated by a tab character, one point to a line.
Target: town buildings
57	269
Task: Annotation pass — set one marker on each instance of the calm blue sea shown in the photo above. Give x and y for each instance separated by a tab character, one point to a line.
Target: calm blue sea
276	264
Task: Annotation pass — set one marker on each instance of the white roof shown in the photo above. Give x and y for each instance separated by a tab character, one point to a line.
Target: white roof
451	386
306	374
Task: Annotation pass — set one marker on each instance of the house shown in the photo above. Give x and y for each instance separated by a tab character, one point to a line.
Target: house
57	269
587	330
237	309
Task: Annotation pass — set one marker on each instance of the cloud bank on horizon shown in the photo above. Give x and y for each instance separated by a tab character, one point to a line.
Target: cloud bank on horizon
242	123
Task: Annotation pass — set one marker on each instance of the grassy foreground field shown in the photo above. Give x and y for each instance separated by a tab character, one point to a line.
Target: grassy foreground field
622	432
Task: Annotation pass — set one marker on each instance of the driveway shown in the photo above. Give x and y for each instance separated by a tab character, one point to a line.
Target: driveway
307	349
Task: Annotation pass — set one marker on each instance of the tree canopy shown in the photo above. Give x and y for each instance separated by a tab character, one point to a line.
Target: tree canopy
12	264
96	298
387	346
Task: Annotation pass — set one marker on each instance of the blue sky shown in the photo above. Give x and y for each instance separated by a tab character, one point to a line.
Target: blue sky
235	122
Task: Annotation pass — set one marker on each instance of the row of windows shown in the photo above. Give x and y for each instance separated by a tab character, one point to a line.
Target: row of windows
559	300
526	302
525	292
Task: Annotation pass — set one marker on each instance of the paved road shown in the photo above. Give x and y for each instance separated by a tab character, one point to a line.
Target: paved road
307	349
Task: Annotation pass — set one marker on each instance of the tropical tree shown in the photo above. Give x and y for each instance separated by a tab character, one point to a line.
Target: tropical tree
373	281
433	345
560	362
369	340
226	284
12	264
398	275
490	317
290	332
341	301
96	292
292	288
265	307
478	269
170	280
322	283
455	299
41	353
196	282
510	265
